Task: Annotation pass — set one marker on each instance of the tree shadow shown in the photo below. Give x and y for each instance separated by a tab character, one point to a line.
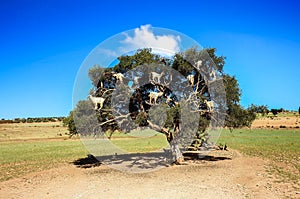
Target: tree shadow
140	162
87	162
137	162
133	162
195	156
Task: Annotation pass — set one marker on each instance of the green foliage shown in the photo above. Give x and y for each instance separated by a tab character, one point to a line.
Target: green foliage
218	60
263	110
203	124
182	65
299	110
238	117
96	75
69	122
85	118
141	119
141	57
233	92
276	111
139	106
32	120
173	114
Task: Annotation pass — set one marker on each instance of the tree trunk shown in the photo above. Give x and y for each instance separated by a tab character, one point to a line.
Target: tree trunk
176	153
172	139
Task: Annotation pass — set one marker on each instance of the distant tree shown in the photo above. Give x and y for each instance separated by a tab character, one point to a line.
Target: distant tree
69	122
276	111
17	120
238	117
299	110
259	109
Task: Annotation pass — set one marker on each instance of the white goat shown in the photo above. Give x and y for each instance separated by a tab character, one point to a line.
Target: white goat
191	79
210	105
198	64
119	76
154	96
156	76
97	101
212	75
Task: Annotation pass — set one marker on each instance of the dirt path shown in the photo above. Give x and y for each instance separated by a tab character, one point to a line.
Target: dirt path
236	177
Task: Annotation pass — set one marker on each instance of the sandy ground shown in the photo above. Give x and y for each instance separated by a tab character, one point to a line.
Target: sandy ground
277	122
228	175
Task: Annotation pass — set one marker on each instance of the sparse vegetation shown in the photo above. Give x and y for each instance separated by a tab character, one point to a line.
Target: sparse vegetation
20	158
30	147
31	120
45	148
280	146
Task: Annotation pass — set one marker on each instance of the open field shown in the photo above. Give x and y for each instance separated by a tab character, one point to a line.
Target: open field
280	121
20	158
36	147
282	147
30	131
31	147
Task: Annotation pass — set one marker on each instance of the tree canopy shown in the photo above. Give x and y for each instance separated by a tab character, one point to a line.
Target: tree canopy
179	96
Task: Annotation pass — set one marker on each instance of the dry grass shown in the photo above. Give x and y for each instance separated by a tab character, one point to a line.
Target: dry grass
28	131
283	120
30	147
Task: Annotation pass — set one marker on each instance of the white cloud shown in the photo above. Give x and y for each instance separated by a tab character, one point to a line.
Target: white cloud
107	52
145	38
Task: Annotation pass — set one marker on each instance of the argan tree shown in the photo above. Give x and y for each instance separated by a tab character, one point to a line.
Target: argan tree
178	97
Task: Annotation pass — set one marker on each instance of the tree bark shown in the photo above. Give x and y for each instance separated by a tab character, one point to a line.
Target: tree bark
176	153
178	157
172	139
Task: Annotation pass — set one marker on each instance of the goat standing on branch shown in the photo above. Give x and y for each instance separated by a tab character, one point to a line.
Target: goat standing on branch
97	101
210	105
212	75
156	76
198	64
154	96
119	76
191	79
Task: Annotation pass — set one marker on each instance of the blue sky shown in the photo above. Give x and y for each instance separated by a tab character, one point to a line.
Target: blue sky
43	44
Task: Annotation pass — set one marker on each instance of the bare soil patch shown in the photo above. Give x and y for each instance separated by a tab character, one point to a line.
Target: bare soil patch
233	176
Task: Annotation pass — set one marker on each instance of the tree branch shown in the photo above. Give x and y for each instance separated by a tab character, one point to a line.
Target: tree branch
111	120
